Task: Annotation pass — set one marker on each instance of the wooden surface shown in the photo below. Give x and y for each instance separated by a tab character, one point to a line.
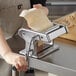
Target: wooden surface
71	34
66	41
70	21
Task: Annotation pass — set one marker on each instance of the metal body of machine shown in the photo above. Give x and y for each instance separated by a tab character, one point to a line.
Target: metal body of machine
34	58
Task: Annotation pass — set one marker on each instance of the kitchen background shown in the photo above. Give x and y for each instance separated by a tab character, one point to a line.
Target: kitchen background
60	8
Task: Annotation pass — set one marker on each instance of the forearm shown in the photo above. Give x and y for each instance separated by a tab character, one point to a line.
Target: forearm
4	48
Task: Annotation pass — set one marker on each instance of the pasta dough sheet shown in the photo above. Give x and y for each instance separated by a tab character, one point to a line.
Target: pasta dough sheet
36	19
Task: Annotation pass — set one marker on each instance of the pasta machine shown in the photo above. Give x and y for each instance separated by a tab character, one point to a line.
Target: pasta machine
47	37
34	57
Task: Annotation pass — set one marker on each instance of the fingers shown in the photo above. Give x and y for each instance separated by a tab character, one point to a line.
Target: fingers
17	60
37	6
21	68
21	64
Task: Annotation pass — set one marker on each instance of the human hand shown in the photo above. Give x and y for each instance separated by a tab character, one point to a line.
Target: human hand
39	6
16	60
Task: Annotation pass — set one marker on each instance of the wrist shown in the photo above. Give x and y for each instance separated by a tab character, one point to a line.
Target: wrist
4	55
